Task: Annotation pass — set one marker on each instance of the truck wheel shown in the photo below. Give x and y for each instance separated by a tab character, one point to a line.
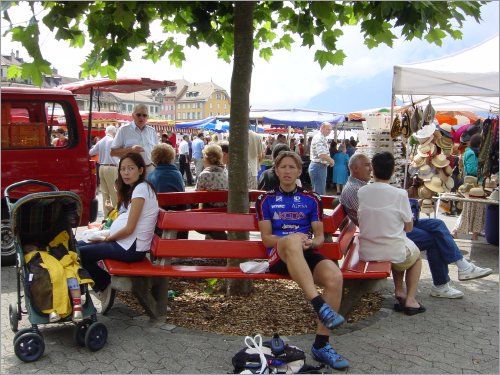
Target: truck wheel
8	244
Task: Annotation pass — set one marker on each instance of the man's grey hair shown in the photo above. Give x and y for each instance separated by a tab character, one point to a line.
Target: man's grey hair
111	130
356	158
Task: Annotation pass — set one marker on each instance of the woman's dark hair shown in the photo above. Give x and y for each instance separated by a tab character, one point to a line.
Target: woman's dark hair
383	165
475	141
333	147
278	148
125	191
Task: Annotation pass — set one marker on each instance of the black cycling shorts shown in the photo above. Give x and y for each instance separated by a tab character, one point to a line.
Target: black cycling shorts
312	257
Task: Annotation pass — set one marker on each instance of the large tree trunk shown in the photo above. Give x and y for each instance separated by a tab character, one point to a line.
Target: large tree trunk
239	120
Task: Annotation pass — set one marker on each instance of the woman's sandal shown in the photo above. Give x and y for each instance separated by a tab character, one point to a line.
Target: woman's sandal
400	305
414	310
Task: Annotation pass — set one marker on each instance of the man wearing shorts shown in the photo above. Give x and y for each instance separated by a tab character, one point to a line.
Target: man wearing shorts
290	222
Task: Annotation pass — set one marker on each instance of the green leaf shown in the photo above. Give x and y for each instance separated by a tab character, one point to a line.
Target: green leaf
35	71
266	53
435	36
14	71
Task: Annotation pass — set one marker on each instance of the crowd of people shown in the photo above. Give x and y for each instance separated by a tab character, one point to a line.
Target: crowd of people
136	164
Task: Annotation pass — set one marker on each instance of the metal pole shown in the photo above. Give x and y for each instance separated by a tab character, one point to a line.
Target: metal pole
89	135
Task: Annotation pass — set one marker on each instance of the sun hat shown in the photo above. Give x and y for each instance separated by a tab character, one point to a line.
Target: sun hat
434	184
489	184
427	141
446	128
444	142
448	170
425	172
464	188
476	192
470	180
440	161
449	184
426	150
443	176
427	206
425	132
494	195
424	193
417	161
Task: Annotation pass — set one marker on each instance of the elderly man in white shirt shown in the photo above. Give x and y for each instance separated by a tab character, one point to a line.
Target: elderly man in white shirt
108	171
320	159
136	137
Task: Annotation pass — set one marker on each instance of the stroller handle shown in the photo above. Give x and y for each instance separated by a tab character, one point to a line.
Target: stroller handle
26	182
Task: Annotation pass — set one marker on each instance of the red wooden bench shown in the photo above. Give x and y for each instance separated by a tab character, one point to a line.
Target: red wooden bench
147	278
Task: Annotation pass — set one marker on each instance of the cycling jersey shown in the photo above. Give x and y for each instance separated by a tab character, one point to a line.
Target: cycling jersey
291	212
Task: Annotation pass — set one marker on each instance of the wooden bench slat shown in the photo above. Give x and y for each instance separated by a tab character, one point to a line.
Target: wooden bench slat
201	220
146	268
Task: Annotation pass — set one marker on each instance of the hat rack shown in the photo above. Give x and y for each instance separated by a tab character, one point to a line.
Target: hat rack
379	140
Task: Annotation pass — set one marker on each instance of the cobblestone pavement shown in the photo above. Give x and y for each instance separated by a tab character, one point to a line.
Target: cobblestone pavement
453	336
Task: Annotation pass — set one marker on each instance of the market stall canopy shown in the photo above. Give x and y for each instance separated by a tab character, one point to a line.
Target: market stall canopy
297	118
466	80
123	85
195	124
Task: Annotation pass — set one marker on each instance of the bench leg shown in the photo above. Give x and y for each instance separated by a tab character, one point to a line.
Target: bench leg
354	289
152	294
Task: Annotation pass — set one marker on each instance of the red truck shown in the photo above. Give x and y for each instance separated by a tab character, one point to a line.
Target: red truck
28	119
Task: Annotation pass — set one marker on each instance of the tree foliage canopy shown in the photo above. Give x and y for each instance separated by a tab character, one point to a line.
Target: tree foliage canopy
115	28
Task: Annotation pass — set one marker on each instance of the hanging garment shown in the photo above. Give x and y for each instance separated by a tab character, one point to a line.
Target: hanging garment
483	159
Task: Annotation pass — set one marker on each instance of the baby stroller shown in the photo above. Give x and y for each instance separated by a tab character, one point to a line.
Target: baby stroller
36	218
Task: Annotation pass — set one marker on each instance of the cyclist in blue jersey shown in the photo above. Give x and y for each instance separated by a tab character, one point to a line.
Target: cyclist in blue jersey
291	227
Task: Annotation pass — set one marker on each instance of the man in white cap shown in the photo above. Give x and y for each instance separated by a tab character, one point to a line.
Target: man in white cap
431	235
108	171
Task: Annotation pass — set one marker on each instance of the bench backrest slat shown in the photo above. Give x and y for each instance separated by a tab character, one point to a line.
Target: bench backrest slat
190	197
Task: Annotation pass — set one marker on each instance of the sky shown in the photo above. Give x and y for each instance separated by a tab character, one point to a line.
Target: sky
291	79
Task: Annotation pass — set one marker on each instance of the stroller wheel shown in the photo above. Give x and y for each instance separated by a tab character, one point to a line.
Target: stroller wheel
96	336
80	331
13	317
22	331
29	347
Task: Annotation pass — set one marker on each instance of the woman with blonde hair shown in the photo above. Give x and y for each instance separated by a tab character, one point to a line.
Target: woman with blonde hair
213	177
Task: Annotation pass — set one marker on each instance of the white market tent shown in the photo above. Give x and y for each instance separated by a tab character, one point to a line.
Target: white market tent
467	80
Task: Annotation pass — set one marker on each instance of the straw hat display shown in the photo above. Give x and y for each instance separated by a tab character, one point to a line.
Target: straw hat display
449	184
424	134
494	195
448	170
490	184
427	206
446	128
426	150
476	192
424	193
435	184
470	180
440	161
425	172
446	145
418	161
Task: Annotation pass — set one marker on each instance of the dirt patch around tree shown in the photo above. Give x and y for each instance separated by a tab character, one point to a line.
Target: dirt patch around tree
276	306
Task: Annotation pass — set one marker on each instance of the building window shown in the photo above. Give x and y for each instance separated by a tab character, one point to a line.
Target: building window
218	106
178	106
130	108
210	105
